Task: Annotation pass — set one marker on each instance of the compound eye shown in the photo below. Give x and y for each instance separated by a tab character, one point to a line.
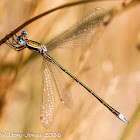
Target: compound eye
20	41
24	33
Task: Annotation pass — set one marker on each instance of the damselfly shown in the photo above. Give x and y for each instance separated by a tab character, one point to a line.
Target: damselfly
76	36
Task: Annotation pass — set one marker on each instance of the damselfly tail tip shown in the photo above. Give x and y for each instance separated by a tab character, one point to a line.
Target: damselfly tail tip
121	117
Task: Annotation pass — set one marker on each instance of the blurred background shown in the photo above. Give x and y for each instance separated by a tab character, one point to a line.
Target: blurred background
109	65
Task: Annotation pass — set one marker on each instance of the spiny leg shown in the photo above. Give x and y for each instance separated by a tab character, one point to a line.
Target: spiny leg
14	47
14	41
12	44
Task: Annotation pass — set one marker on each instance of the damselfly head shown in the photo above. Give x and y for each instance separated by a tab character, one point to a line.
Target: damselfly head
24	33
21	39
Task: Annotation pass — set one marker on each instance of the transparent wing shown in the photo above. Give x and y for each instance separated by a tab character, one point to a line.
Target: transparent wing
47	98
80	33
61	85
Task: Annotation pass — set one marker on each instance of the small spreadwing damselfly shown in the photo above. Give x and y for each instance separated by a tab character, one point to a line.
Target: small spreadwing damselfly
76	36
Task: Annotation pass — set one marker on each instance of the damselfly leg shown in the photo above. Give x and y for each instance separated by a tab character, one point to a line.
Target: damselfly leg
17	43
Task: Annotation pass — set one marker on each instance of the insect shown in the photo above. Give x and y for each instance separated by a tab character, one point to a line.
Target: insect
76	36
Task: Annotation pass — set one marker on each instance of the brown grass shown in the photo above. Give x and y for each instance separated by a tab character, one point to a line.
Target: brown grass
109	66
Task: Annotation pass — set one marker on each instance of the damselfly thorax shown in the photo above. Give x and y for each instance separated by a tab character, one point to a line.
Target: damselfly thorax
36	47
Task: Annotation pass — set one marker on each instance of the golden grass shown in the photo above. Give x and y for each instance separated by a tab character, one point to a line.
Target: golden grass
109	66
